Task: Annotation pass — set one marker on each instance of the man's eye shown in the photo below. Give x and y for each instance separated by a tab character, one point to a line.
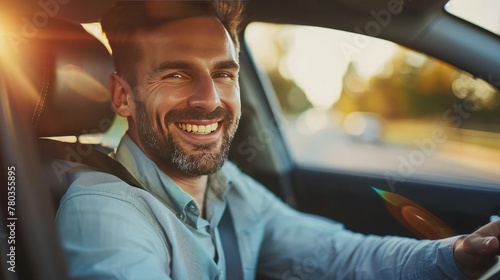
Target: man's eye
173	76
223	75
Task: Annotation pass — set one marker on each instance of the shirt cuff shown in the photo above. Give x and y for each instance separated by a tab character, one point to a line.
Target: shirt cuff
449	257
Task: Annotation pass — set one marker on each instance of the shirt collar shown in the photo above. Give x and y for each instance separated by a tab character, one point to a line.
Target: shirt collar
150	176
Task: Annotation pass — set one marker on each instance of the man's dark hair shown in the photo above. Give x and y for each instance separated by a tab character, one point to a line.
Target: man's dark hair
127	17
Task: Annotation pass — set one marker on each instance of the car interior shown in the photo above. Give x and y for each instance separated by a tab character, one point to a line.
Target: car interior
54	83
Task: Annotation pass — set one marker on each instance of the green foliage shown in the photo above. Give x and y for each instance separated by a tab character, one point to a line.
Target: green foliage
426	91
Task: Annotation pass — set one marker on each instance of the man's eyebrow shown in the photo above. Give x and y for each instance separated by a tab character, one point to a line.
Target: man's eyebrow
167	65
179	64
227	64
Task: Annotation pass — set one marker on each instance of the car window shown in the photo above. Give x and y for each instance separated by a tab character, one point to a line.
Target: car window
361	104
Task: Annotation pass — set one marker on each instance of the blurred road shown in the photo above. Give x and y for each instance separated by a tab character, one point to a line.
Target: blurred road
333	148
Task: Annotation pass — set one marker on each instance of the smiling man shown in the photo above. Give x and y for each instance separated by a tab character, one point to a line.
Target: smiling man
185	109
176	82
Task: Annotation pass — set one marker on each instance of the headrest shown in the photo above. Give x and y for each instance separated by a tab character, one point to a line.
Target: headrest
57	76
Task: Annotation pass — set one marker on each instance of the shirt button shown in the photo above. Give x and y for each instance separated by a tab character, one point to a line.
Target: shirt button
180	216
191	207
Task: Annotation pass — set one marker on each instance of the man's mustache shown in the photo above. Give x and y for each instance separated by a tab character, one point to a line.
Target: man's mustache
198	114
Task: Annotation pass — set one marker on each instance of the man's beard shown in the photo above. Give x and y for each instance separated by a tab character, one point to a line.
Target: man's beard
202	159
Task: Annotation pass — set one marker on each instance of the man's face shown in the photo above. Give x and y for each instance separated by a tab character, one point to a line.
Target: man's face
187	103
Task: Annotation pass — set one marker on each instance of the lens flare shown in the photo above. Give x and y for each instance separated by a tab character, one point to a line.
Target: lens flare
422	223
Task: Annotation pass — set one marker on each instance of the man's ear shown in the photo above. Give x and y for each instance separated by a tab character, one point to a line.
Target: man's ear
121	96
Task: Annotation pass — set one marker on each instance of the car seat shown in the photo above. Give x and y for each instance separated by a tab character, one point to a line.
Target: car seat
54	82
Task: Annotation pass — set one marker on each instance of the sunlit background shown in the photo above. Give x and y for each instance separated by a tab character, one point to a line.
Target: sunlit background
316	61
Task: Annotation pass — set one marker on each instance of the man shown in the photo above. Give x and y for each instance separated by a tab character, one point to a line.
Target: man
177	85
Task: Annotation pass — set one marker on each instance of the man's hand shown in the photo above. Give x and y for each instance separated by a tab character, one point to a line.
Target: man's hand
475	253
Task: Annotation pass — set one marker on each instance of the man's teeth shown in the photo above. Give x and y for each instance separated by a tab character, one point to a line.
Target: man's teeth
198	129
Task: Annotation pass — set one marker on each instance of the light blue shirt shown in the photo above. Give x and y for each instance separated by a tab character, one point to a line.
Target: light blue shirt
110	230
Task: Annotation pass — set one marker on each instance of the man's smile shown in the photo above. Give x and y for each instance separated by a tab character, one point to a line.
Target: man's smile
198	128
205	131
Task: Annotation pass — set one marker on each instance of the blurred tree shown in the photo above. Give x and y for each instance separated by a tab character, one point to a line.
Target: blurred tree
291	97
269	54
413	86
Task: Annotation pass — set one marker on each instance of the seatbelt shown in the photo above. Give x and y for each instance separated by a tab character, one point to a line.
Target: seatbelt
234	269
51	149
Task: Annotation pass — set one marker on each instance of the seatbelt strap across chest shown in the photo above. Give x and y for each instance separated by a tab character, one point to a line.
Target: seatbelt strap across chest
234	269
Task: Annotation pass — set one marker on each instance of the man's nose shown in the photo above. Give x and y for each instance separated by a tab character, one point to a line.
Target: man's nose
205	95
